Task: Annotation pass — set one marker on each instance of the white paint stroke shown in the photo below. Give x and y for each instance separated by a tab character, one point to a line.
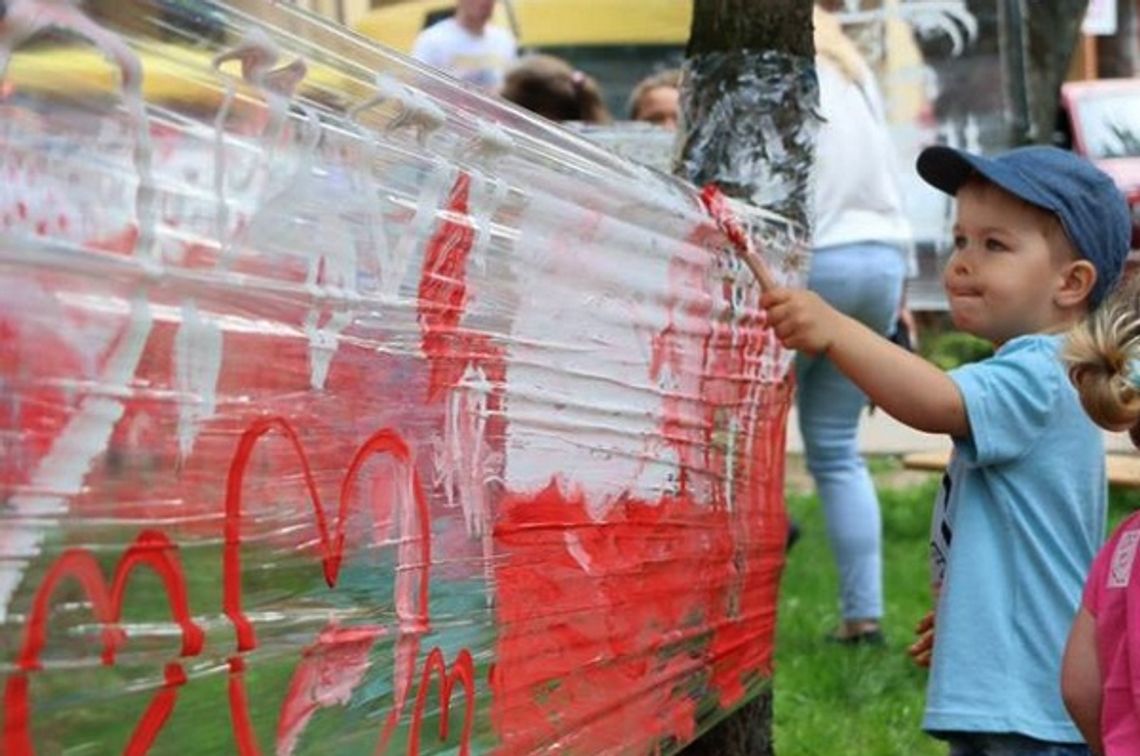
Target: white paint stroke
65	466
197	365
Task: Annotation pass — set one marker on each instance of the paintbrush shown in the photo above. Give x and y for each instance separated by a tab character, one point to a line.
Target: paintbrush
716	204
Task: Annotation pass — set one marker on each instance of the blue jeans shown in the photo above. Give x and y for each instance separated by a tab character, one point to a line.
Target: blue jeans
984	744
864	281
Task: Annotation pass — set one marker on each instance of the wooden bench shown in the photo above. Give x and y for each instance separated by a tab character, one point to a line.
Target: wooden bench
1123	469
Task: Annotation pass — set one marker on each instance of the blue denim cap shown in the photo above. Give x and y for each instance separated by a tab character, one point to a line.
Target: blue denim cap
1092	210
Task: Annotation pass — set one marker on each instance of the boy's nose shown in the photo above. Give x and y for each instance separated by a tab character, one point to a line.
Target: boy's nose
956	267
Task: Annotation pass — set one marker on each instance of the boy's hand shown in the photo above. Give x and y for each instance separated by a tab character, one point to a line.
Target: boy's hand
922	649
800	319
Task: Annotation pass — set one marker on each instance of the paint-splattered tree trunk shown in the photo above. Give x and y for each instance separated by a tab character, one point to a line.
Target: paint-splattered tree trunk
1037	42
748	104
748	101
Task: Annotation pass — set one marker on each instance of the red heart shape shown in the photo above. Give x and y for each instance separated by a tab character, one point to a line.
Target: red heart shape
150	548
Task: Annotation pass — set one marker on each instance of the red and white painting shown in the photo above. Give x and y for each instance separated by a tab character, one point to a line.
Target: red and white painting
343	410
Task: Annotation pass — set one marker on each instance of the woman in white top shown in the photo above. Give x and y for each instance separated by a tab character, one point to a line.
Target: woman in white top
861	245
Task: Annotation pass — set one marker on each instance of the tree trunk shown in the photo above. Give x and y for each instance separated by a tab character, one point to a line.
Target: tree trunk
745	732
1038	39
748	101
733	25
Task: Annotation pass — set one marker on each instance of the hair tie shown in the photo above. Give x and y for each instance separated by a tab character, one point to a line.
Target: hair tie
578	79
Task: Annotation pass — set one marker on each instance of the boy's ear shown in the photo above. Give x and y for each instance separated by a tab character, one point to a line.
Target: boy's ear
1077	280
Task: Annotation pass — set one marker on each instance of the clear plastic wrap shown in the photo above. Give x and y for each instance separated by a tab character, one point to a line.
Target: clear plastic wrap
345	410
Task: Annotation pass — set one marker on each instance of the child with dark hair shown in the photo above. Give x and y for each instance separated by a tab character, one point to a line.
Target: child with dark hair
552	88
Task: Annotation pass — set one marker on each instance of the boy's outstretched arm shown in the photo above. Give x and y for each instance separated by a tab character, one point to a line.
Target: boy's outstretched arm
903	384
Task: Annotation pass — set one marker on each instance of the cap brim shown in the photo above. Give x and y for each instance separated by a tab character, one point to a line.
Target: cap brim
946	168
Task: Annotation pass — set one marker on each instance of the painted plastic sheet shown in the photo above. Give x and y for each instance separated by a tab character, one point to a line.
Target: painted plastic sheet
344	410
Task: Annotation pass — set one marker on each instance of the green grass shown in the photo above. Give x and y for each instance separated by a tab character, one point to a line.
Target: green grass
832	699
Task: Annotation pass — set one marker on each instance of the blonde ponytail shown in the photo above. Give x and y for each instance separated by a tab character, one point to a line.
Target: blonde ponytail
1103	357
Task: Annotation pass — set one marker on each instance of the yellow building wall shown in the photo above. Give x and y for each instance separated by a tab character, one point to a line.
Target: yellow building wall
347	12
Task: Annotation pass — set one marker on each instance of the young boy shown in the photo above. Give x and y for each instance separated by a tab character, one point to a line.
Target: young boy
1040	238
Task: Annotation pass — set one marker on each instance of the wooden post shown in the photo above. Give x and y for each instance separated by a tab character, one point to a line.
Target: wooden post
1088	56
1053	30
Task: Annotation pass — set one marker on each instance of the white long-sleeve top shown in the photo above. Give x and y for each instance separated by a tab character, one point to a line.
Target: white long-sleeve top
855	193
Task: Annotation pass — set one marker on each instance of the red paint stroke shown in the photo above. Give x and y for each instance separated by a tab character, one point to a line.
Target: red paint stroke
462	671
714	353
601	623
156	715
122	242
39	359
683	346
383	442
604	625
17	712
450	349
442	300
150	548
328	672
442	294
239	709
743	625
713	348
413	614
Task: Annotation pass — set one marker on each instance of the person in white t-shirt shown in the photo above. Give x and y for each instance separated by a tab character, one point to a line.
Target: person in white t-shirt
860	254
467	46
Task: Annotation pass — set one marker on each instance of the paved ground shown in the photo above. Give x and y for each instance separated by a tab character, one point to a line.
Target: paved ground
880	434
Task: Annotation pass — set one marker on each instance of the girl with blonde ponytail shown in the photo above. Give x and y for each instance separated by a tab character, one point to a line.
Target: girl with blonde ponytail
1100	673
1103	355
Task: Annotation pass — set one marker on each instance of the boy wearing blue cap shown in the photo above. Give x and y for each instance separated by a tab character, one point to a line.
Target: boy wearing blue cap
1040	238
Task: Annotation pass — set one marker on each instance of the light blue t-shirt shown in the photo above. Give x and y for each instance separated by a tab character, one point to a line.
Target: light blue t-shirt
1019	519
